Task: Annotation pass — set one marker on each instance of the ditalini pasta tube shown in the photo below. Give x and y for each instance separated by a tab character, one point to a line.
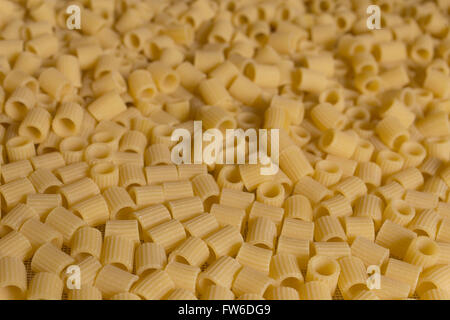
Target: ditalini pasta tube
111	280
13	279
45	286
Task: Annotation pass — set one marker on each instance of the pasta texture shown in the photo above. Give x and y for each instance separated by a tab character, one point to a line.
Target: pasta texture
225	149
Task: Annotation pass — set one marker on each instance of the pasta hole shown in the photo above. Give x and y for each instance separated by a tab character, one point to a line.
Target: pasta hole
426	246
425	286
424	54
291	282
336	239
321	211
148	93
399	141
372	85
328	138
231	6
18	110
332	98
181	259
243	20
11	293
219	39
285	14
325	268
421	232
249	71
226	124
120	266
32	132
52	189
359	48
134	41
233	176
124	213
190	21
261	38
341	23
324	6
368	69
263	246
66	125
357	288
261	14
170	81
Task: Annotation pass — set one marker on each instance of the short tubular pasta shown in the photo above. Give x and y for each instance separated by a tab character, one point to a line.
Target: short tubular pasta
49	258
249	280
111	280
226	215
86	241
94	210
68	119
64	222
328	228
118	251
154	286
325	269
353	276
193	251
119	202
45	286
298	207
168	234
149	257
422	251
183	275
254	257
285	270
13	279
225	241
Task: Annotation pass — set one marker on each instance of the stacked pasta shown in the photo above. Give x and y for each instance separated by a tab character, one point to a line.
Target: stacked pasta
88	184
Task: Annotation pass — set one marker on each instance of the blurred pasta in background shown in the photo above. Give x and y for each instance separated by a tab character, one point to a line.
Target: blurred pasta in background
87	177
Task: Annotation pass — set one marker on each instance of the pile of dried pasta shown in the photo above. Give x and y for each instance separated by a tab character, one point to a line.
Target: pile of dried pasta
94	208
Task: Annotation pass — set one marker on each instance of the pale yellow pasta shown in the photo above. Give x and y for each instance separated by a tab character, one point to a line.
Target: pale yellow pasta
399	212
390	191
294	228
49	258
93	210
189	76
50	161
13	279
395	238
214	93
183	275
423	252
168	234
112	100
298	207
123	228
77	191
149	257
45	286
328	228
259	209
154	286
285	270
85	293
157	155
435	294
244	90
249	280
69	66
325	116
225	241
325	269
45	181
193	251
17	78
133	141
86	242
226	215
327	172
118	251
131	175
105	175
202	225
359	227
314	290
392	132
145	196
68	119
112	280
53	82
389	162
433	125
254	257
20	148
352	279
72	149
119	202
15	191
19	103
310	80
336	207
65	222
15	170
421	200
434	278
370	173
16	245
251	177
166	79
42	204
369	252
403	272
214	292
270	193
177	189
229	178
294	163
338	143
